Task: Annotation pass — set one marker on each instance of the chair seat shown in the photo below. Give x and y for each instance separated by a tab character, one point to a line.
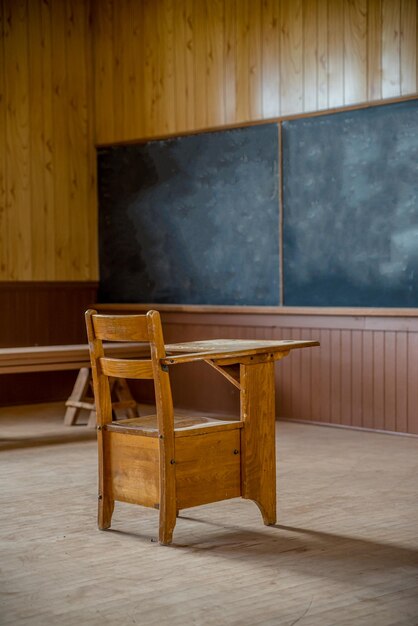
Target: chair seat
183	425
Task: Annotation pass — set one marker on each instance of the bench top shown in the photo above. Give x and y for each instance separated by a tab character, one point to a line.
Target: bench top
63	357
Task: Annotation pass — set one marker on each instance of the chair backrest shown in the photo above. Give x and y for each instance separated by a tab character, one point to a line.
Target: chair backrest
143	328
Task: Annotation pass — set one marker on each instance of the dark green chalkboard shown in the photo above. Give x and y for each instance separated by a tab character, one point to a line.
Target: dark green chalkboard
191	220
350	190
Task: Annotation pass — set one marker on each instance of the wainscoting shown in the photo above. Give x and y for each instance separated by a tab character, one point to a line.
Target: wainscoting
364	374
41	313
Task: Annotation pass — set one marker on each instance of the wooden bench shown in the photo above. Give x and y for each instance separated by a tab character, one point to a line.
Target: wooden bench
73	357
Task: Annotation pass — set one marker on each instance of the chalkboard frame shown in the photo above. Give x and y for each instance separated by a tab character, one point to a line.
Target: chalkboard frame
281	308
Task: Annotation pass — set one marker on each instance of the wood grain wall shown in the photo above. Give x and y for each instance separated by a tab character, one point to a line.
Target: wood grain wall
169	66
76	72
41	313
47	158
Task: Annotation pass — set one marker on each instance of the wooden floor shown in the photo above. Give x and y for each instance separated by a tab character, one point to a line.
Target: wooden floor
344	553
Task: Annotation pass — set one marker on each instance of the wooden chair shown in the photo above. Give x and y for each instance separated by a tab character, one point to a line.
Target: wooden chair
164	461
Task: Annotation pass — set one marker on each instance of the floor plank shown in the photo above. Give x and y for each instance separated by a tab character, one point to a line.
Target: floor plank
344	553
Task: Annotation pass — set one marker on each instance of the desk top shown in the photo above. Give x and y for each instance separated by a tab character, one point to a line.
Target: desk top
225	348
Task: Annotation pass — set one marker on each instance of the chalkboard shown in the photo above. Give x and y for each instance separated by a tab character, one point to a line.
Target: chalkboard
191	220
350	190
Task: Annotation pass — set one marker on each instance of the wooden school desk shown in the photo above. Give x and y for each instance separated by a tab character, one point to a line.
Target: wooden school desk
249	365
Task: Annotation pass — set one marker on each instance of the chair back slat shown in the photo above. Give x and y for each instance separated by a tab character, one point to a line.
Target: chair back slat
124	368
132	328
121	327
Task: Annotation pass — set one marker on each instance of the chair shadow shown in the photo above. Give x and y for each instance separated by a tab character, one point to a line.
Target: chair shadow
312	552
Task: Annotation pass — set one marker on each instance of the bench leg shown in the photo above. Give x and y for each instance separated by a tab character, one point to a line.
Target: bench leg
124	397
92	419
78	400
78	393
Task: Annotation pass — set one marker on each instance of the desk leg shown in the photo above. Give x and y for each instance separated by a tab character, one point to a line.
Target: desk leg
259	438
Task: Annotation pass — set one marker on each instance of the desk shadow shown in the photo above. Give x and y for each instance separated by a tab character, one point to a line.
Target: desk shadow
304	550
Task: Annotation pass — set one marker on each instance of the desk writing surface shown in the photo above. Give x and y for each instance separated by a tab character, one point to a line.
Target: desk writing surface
233	345
221	348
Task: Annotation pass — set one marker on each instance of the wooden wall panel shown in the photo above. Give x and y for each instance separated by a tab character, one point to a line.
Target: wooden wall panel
73	72
47	313
47	160
211	63
3	160
44	313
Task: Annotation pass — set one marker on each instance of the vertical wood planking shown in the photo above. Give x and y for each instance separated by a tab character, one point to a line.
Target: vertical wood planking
37	199
412	377
336	75
401	356
68	139
78	137
167	103
180	65
122	41
305	375
242	59
374	50
102	16
48	217
150	92
322	55
285	370
367	379
255	61
355	51
215	71
235	61
230	61
132	70
346	382
200	83
310	55
390	381
408	46
391	66
316	380
91	206
4	239
293	361
379	379
184	63
60	147
18	192
325	375
270	54
335	390
291	57
357	378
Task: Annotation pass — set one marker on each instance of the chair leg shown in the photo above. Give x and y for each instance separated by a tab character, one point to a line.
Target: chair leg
106	506
168	504
168	520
